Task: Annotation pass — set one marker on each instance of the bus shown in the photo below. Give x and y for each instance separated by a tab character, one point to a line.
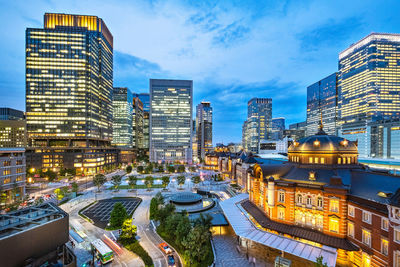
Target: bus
104	252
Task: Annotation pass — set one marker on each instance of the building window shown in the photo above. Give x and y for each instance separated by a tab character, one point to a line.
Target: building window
19	162
366	260
334	205
6	163
19	170
384	246
316	160
339	161
7	181
396	236
299	199
281	213
366	237
334	225
309	201
19	178
320	221
322	160
281	197
366	217
350	229
385	224
351	211
320	202
297	216
396	260
6	172
310	160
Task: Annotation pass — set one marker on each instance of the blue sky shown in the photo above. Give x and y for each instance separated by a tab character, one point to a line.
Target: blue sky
232	50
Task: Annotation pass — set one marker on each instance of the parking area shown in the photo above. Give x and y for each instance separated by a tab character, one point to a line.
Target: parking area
100	212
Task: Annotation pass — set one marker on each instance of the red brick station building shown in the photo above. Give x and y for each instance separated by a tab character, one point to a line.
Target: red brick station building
326	202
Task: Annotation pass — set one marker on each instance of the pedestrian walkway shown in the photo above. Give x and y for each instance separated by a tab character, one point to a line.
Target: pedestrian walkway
227	254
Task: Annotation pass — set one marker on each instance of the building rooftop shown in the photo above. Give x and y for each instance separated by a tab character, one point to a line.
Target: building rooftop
22	220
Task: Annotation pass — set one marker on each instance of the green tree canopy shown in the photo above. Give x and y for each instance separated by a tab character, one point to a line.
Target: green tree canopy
140	169
99	180
129	169
181	168
170	169
118	215
196	179
181	180
116	181
132	181
128	231
148	181
195	242
165	181
74	187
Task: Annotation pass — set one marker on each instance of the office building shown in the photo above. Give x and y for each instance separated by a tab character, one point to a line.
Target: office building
69	86
322	103
138	120
296	131
368	78
279	146
258	125
122	118
36	236
12	173
171	120
12	128
278	126
203	129
145	98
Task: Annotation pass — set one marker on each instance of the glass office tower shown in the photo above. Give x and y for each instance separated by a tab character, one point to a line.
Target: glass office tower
122	117
368	85
278	126
138	123
69	86
145	98
322	100
259	123
171	120
203	129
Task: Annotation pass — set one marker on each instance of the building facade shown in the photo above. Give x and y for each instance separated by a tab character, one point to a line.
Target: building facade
122	118
323	196
322	103
69	87
138	124
367	79
278	126
12	174
258	125
203	129
145	98
12	128
171	120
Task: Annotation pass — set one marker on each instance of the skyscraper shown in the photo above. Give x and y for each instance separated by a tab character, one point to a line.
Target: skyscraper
145	98
278	126
137	123
322	100
122	117
368	84
259	123
69	86
203	128
171	120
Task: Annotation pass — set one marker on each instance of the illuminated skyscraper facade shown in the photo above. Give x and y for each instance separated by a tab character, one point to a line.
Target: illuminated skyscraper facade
69	86
145	98
369	72
138	123
259	123
322	100
12	128
171	120
203	129
122	117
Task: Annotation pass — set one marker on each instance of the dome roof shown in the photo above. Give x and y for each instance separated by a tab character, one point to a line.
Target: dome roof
323	143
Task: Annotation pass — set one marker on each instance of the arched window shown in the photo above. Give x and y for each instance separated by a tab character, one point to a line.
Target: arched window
299	199
320	202
309	201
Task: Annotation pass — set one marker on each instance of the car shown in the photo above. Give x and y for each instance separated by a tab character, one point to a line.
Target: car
171	261
165	248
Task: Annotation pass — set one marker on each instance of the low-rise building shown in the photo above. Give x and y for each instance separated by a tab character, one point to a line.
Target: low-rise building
12	173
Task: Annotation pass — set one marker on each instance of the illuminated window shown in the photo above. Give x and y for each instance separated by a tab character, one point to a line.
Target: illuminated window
339	160
6	172
351	211
310	160
334	205
299	199
384	247
7	181
320	221
281	213
281	197
366	216
322	160
334	225
350	229
316	160
366	260
6	163
366	237
385	224
309	201
320	202
396	235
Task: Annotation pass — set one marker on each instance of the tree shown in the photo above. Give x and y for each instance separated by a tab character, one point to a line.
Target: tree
128	231
148	182
181	180
132	180
181	168
160	168
75	187
116	181
99	180
149	168
204	221
50	175
63	172
196	179
182	229
129	169
165	181
170	169
118	215
140	169
319	262
164	212
195	242
192	169
61	192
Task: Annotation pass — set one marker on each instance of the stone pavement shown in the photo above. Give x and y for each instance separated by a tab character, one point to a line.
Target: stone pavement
227	254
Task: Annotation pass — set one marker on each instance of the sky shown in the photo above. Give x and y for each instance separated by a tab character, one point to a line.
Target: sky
232	50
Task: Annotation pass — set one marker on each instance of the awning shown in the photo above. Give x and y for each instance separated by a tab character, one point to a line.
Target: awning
243	227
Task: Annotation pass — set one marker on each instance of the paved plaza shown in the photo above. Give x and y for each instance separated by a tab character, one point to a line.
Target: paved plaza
100	212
